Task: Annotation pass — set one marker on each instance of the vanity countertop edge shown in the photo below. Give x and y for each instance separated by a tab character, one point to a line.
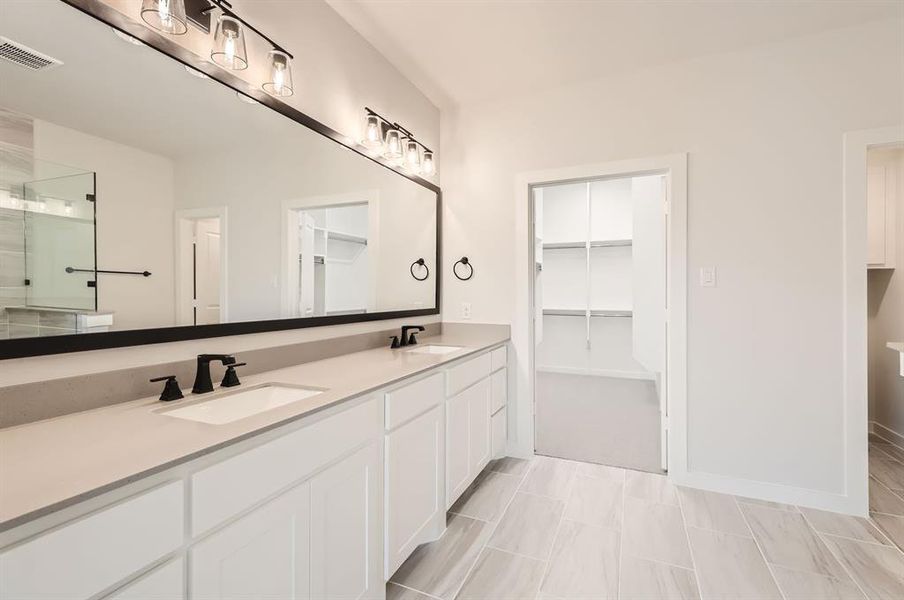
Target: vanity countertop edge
50	465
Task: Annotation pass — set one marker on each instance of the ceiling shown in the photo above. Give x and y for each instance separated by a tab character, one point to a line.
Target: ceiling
461	51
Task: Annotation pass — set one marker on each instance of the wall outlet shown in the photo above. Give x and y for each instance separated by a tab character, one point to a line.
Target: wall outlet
465	310
707	277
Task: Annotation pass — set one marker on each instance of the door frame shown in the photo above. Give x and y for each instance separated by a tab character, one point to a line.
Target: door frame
855	362
521	420
181	219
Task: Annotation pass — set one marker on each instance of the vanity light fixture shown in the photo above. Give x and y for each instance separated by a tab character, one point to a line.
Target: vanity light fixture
412	155
373	134
396	143
280	83
229	44
428	167
392	149
167	16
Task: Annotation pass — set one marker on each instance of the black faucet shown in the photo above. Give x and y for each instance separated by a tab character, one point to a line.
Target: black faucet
409	340
203	384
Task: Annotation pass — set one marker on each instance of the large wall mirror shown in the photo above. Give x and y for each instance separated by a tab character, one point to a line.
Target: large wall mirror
143	202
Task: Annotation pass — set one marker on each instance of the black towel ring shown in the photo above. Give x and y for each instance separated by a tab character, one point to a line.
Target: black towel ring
421	262
464	261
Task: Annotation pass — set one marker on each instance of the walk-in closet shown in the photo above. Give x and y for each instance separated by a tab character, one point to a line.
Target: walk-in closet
600	323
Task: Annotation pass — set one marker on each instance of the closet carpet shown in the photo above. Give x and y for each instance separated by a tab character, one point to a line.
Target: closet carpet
557	529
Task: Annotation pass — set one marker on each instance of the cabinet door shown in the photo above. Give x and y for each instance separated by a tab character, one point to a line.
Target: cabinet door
479	432
264	554
415	456
499	427
457	462
347	528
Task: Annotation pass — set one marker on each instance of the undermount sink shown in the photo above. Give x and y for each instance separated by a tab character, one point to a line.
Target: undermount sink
435	349
232	406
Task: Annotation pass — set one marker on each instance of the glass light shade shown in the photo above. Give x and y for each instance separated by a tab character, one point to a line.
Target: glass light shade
280	83
412	155
229	44
372	135
167	16
428	167
393	145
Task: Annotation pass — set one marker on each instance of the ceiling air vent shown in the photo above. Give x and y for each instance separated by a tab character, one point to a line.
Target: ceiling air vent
24	56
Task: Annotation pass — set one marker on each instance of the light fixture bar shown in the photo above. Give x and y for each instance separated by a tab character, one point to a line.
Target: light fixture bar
226	7
391	124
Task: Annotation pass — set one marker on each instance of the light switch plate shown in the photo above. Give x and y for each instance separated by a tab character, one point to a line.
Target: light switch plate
707	277
465	310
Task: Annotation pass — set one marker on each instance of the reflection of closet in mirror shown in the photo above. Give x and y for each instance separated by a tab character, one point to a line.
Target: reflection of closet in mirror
333	269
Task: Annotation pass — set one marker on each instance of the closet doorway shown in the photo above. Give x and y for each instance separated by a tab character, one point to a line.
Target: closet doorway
600	326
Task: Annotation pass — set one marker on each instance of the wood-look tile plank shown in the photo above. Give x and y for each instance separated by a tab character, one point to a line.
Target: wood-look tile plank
439	568
799	585
584	563
883	500
731	567
595	502
397	592
601	471
529	526
892	526
856	528
878	570
549	477
645	580
788	541
711	510
887	471
650	487
510	466
503	576
892	451
488	496
655	532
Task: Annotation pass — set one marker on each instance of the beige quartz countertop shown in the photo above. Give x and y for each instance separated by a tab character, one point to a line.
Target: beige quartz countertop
51	464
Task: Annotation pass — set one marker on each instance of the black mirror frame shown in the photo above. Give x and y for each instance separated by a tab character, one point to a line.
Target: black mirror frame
39	346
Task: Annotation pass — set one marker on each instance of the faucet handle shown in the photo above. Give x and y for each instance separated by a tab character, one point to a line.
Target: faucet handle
171	390
411	339
395	341
231	378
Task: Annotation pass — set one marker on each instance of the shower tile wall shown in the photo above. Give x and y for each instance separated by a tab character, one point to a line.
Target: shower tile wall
16	165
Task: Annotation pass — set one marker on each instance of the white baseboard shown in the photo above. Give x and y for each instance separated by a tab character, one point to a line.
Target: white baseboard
887	434
773	492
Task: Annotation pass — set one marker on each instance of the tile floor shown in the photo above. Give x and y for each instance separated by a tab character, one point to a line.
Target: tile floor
554	529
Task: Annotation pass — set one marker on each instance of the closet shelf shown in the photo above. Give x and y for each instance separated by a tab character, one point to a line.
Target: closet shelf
593	244
579	312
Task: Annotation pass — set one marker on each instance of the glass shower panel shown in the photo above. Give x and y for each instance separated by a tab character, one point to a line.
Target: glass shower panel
60	242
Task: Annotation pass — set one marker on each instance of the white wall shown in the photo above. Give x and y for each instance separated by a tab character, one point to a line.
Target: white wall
886	324
763	128
134	221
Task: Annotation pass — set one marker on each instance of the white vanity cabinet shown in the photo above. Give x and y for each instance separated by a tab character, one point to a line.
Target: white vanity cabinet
883	199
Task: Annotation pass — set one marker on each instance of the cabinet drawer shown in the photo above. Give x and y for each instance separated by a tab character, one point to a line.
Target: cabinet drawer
229	487
461	376
499	358
83	558
408	402
499	383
